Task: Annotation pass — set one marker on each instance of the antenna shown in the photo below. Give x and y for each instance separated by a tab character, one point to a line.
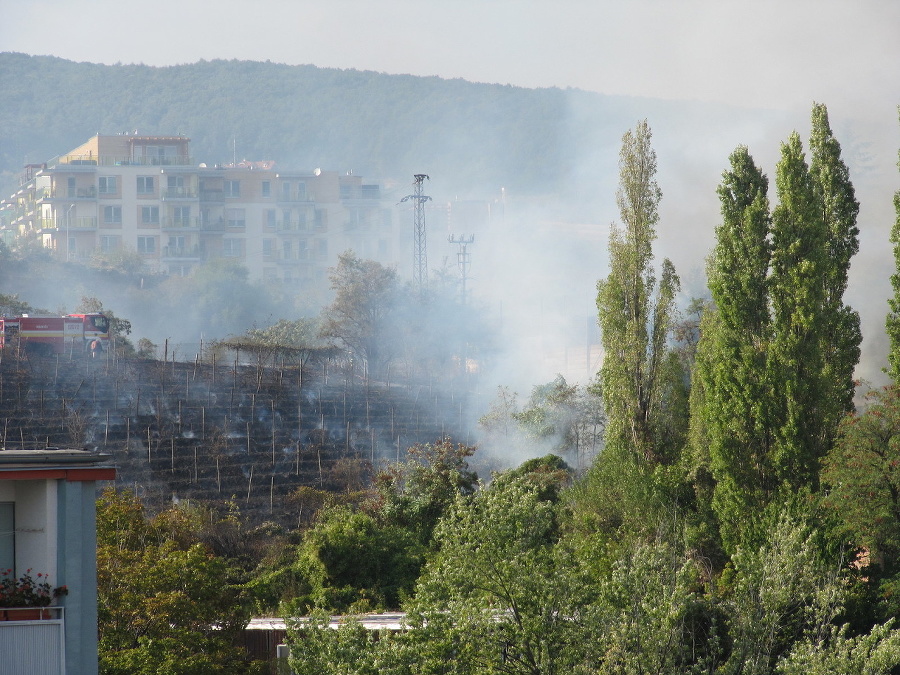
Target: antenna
420	255
462	258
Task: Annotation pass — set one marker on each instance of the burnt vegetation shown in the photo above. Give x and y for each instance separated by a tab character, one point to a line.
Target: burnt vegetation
268	435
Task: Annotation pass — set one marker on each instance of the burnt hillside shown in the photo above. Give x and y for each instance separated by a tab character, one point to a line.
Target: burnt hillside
212	431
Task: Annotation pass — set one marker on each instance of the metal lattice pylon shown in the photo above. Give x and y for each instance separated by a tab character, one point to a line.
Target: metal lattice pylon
420	254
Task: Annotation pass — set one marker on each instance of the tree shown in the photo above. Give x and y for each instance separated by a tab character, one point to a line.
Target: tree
838	210
635	317
163	605
815	344
893	317
732	398
363	315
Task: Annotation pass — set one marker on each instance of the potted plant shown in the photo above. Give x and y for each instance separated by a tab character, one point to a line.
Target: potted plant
26	592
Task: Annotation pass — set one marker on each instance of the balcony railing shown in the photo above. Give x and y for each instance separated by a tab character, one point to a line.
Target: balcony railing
93	161
179	193
212	196
291	226
66	193
181	252
30	643
190	223
79	223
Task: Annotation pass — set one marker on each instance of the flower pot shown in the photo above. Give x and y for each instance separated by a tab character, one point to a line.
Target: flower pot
26	614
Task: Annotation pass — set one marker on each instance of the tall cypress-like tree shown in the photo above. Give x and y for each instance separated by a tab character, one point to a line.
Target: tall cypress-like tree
799	269
634	315
732	399
893	317
841	336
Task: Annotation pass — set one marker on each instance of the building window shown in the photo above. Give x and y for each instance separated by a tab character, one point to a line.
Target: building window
145	185
286	192
286	219
146	245
302	250
150	215
70	188
231	248
301	220
232	188
286	250
108	185
267	188
181	215
235	217
269	218
112	215
323	248
268	247
7	535
301	192
108	244
321	219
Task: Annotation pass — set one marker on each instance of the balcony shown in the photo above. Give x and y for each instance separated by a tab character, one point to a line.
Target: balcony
175	193
66	193
81	223
192	223
181	252
212	196
91	162
288	226
32	644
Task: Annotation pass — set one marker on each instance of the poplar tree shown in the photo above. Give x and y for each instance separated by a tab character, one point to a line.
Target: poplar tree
841	337
893	317
799	267
732	399
634	315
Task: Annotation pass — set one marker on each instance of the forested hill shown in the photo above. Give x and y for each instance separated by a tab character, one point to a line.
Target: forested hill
476	137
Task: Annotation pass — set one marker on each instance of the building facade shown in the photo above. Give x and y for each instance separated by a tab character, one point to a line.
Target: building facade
146	194
48	527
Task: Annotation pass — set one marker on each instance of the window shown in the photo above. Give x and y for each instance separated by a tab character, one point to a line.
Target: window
146	245
112	215
232	188
150	215
173	182
235	217
108	185
302	251
268	247
231	247
301	222
7	535
301	192
269	218
267	188
286	250
176	244
70	188
321	219
181	215
286	192
145	185
286	219
108	244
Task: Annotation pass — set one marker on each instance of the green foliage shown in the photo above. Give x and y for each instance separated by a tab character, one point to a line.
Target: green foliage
892	322
10	305
163	605
860	474
364	313
349	559
416	493
635	317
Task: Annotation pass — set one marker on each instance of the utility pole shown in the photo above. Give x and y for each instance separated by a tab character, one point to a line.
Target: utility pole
420	255
462	259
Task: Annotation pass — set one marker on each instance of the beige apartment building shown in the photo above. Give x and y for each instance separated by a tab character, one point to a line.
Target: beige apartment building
147	194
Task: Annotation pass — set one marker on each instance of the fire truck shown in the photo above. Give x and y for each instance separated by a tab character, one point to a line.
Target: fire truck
56	334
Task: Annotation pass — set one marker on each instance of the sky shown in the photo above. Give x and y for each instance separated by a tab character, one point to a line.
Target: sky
759	53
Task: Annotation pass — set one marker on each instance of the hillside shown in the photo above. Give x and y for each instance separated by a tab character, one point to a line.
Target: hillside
215	432
476	137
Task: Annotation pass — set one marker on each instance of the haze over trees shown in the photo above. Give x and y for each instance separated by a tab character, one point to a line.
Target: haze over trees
740	518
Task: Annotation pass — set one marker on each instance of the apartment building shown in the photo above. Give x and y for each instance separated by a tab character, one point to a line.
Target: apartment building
147	194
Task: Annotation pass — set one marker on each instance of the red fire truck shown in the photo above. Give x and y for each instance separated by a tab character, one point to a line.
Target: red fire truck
56	334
